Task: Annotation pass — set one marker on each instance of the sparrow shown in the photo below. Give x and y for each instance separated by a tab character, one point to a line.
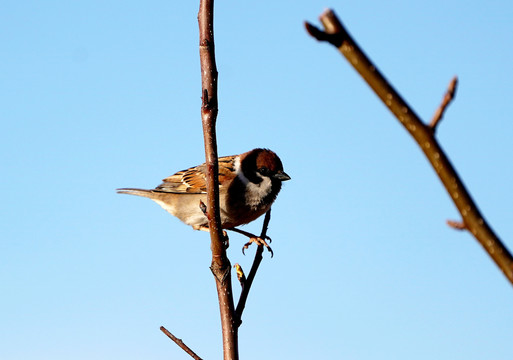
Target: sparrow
248	185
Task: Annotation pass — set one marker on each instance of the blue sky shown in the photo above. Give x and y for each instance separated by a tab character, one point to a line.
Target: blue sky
98	95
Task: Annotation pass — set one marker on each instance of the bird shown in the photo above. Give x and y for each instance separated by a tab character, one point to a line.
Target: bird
248	185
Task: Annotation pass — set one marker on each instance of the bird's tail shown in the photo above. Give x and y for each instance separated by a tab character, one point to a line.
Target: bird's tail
138	192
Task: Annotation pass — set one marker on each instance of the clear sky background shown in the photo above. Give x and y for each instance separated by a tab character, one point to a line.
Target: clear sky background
97	95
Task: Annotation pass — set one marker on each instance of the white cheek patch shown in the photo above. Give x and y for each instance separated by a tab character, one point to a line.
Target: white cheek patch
255	193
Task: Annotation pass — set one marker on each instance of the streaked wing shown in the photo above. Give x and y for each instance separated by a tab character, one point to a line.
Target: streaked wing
193	180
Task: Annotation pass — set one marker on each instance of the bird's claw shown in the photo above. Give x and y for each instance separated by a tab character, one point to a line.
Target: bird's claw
260	242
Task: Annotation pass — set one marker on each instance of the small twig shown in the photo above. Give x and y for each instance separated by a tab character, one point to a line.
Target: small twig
180	343
251	276
332	38
457	225
474	221
448	97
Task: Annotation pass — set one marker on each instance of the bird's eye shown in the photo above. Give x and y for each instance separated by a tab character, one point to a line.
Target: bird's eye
264	171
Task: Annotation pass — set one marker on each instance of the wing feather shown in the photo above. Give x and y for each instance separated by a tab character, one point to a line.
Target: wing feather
193	180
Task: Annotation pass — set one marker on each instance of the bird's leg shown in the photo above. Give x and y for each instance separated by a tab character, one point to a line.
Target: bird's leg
254	239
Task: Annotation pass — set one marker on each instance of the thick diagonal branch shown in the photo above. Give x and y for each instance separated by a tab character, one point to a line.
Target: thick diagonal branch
220	264
336	34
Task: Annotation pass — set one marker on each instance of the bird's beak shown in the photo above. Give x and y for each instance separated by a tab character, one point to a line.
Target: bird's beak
282	176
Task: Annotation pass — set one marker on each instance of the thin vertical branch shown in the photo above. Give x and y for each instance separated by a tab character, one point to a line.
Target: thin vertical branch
220	264
448	97
472	219
209	110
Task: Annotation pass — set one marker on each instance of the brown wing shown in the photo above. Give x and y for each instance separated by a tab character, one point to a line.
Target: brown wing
193	180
